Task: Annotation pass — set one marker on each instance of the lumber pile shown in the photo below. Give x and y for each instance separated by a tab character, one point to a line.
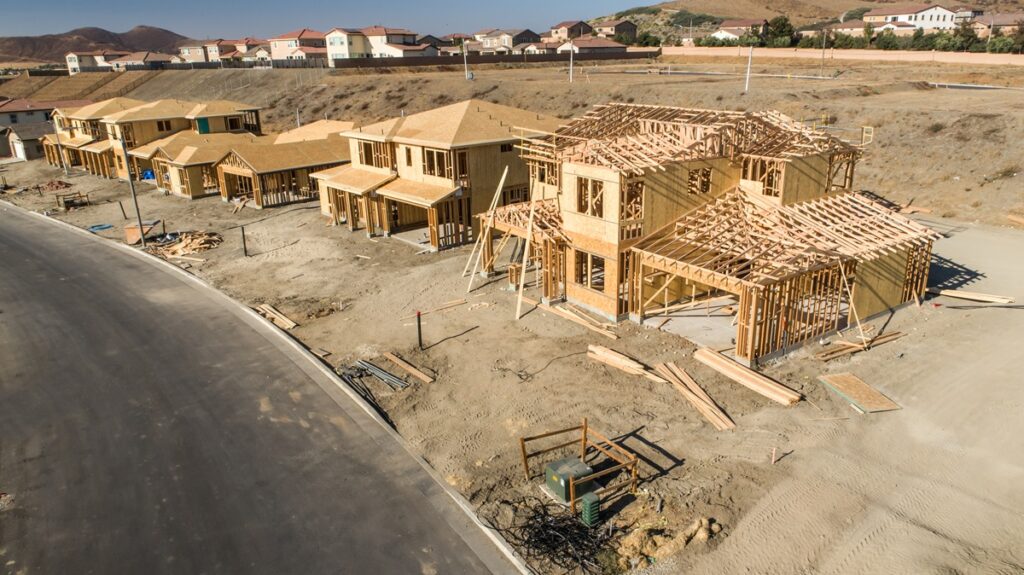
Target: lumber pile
581	319
187	243
972	296
621	362
842	347
748	378
280	320
697	397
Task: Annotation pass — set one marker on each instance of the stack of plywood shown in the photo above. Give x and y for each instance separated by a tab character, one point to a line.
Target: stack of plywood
748	378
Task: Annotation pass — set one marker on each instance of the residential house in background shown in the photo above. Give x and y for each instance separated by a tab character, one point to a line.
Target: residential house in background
424	176
218	50
395	43
343	43
284	46
137	59
479	34
502	41
1005	24
966	14
25	141
848	28
896	28
24	111
737	28
537	48
925	16
191	50
569	29
623	30
591	45
456	39
94	59
81	140
434	41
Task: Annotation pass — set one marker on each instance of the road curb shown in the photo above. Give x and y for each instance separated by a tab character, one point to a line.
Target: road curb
461	502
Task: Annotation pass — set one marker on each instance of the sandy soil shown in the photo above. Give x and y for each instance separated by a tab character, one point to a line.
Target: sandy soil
926	489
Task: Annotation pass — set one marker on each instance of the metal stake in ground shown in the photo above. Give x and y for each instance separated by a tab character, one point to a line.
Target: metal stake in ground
135	199
245	249
419	330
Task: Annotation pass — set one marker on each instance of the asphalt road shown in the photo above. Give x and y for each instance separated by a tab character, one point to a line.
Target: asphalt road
150	425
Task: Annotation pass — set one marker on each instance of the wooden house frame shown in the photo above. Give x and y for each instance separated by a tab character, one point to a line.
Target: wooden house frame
798	271
647	206
277	174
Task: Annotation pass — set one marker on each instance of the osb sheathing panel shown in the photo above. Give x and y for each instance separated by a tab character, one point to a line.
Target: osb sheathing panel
878	285
667	196
804	179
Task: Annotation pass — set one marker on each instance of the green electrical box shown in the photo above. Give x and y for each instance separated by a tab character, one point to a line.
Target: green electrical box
590	509
557	474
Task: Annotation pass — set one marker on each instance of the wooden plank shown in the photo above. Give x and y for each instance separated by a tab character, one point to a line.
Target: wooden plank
747	377
853	389
575	319
973	296
279	319
408	367
1015	219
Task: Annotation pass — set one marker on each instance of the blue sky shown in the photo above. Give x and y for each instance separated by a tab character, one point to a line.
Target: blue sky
263	18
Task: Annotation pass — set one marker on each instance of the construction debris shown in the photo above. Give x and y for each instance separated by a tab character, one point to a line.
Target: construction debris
54	185
861	395
748	378
841	347
585	321
388	378
280	320
408	367
982	297
178	244
550	538
695	395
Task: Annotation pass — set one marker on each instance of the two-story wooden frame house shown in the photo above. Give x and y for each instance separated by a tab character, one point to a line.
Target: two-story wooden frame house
424	176
81	140
639	208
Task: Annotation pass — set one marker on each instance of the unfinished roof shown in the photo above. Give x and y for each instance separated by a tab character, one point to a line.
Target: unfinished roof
415	193
741	239
467	123
318	130
635	137
100	109
265	159
349	178
158	110
515	218
218	108
189	148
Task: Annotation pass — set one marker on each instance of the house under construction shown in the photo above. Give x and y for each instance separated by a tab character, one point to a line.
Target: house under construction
636	209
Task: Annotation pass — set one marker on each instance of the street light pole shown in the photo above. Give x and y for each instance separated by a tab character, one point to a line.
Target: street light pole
131	186
572	50
465	58
750	60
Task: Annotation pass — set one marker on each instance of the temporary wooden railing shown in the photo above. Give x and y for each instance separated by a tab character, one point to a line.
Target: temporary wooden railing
625	459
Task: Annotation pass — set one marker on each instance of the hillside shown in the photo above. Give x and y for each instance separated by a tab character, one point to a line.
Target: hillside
671	20
53	47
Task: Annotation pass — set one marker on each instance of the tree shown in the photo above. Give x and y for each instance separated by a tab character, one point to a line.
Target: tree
965	36
1001	45
887	41
646	39
1018	36
780	32
869	32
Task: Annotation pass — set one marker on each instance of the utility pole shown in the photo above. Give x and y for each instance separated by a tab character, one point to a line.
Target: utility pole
572	50
824	36
750	60
131	186
297	123
60	148
465	58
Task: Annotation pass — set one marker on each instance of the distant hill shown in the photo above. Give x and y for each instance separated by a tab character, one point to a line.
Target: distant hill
672	19
53	47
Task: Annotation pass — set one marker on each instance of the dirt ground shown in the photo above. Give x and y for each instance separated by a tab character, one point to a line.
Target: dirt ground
926	489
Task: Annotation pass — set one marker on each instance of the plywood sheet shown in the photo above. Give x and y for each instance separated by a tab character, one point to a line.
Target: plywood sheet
853	389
